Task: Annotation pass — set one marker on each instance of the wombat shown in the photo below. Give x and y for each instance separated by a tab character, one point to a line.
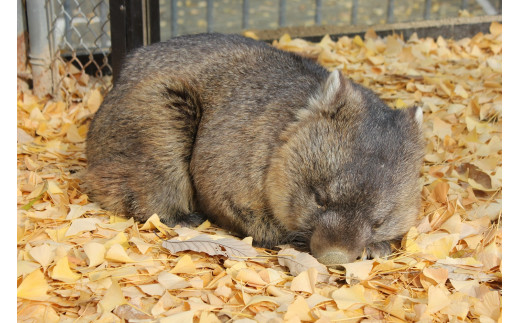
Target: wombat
262	142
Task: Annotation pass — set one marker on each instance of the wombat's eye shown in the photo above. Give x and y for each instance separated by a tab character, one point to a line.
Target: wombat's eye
378	223
320	199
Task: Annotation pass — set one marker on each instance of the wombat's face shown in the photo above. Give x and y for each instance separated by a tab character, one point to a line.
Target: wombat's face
347	177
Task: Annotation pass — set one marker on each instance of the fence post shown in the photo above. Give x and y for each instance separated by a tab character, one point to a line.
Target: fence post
21	42
245	14
132	24
40	49
282	11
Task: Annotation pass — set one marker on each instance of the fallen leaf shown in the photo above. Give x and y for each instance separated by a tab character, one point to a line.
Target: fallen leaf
113	297
63	272
34	287
95	253
437	298
171	281
186	316
184	266
81	225
305	281
230	248
117	253
250	277
44	254
24	267
299	309
298	262
359	270
152	289
345	297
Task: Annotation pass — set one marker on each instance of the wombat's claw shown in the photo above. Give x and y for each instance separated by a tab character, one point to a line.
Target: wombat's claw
379	249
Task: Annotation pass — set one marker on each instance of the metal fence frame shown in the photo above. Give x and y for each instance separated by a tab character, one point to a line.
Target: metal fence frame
488	8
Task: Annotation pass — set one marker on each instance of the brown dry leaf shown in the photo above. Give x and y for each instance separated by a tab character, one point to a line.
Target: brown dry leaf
440	192
230	248
298	262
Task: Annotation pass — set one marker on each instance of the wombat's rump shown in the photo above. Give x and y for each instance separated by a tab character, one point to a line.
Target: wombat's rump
262	142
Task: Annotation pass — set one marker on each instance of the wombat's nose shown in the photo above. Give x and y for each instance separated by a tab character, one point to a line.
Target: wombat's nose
334	257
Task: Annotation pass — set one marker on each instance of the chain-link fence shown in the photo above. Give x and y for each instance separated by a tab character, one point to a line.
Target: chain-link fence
71	46
70	40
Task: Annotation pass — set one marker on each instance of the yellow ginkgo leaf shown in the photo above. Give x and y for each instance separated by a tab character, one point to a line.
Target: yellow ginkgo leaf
95	253
140	244
44	254
58	234
437	298
186	316
345	297
119	238
154	222
300	309
171	281
24	267
305	281
204	225
54	188
184	266
82	224
118	253
152	289
62	271
73	134
34	287
251	277
113	297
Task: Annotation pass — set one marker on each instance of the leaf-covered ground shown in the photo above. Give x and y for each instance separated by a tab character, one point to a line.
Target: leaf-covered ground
78	263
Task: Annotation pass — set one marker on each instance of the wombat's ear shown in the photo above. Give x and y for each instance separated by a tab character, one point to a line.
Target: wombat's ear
333	86
416	113
330	96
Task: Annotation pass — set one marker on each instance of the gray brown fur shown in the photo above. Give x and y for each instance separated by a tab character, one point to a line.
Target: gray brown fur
262	142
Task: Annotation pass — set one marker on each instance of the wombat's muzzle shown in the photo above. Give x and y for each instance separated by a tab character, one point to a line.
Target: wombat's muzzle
334	257
336	242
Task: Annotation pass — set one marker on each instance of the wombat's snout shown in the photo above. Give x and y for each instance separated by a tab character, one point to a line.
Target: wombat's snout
336	256
332	246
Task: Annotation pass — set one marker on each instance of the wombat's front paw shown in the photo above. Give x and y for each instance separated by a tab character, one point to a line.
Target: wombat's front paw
379	249
188	220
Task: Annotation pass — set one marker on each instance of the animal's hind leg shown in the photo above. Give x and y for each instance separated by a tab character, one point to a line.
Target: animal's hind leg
139	149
